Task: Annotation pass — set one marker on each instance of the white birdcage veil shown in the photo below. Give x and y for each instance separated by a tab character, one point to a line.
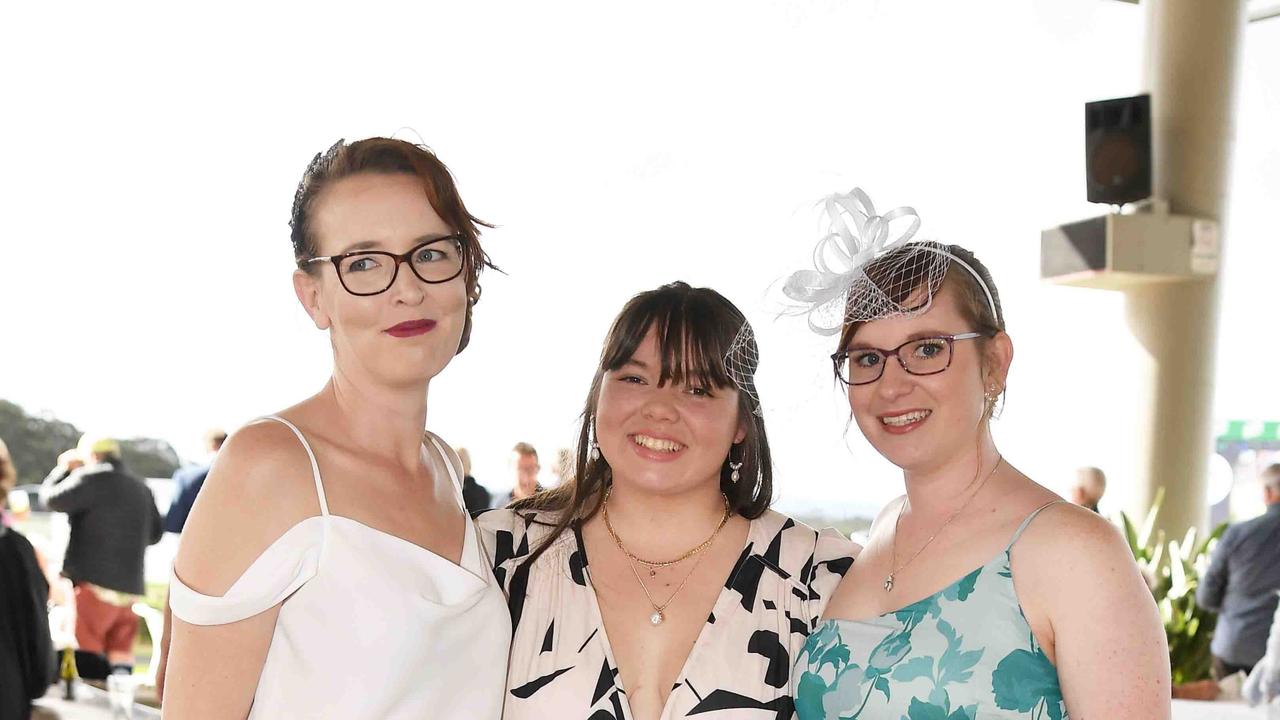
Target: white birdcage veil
866	267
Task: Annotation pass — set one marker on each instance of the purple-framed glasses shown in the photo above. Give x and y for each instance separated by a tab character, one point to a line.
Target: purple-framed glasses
921	356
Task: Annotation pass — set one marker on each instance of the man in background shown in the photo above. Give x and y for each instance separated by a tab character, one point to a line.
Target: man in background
188	480
1091	485
474	495
524	458
113	519
1241	584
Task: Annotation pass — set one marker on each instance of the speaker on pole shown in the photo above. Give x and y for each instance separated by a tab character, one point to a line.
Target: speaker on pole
1118	149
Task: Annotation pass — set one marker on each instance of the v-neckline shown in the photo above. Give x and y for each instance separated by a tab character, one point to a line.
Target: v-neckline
603	636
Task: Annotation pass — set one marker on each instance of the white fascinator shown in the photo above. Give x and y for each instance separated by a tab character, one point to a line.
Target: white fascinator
866	266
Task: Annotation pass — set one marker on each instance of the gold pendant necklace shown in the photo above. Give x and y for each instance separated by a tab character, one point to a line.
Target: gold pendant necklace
653	565
659	611
893	552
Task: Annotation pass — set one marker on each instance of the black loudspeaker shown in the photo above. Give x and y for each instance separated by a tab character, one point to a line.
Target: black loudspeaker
1117	142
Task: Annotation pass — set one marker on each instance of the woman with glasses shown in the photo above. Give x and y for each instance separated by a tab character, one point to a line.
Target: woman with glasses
657	583
980	593
328	568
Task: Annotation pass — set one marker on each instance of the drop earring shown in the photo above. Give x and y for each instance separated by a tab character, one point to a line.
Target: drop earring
734	467
992	396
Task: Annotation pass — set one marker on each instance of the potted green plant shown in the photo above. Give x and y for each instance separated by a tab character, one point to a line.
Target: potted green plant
1173	571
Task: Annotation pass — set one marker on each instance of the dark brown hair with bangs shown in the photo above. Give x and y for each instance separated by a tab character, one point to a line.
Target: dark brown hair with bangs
396	157
695	327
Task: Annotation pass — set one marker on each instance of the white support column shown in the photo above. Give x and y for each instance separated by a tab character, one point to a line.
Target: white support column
1192	55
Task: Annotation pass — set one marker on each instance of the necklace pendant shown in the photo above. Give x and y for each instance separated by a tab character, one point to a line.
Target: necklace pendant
653	572
888	583
656	618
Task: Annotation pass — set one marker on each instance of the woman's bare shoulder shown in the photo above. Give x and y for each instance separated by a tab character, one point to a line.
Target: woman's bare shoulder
260	485
1067	548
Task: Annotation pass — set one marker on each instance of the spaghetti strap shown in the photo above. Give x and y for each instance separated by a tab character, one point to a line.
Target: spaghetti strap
315	467
448	456
1018	533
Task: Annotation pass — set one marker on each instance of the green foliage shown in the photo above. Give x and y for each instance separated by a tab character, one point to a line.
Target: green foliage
148	457
1173	570
35	443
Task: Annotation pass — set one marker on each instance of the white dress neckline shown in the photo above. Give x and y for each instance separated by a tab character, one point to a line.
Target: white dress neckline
370	624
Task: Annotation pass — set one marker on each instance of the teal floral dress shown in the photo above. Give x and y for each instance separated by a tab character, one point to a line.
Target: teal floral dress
963	653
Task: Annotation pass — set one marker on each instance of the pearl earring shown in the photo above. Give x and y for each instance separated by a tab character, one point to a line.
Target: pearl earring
734	476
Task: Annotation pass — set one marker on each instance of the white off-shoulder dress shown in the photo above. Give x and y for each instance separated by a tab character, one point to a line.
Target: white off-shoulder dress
370	625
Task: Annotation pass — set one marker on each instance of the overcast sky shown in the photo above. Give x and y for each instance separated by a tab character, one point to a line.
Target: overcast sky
153	154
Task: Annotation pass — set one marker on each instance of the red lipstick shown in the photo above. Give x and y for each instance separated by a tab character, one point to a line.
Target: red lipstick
411	328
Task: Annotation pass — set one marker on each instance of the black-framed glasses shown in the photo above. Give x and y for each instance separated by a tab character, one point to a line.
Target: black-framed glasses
370	272
922	356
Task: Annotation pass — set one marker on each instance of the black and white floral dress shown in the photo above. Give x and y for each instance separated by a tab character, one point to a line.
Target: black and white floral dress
562	665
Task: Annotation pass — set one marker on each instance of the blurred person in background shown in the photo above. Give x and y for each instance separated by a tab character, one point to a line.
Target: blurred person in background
1263	684
524	461
8	480
113	519
27	660
15	508
475	495
188	480
1241	584
1091	485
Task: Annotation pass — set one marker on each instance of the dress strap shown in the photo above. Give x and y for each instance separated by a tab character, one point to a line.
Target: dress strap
448	456
1018	533
315	467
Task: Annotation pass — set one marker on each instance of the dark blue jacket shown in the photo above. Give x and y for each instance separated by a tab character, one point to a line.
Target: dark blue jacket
187	482
1241	584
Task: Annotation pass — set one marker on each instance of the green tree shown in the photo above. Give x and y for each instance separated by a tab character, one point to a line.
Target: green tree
35	443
